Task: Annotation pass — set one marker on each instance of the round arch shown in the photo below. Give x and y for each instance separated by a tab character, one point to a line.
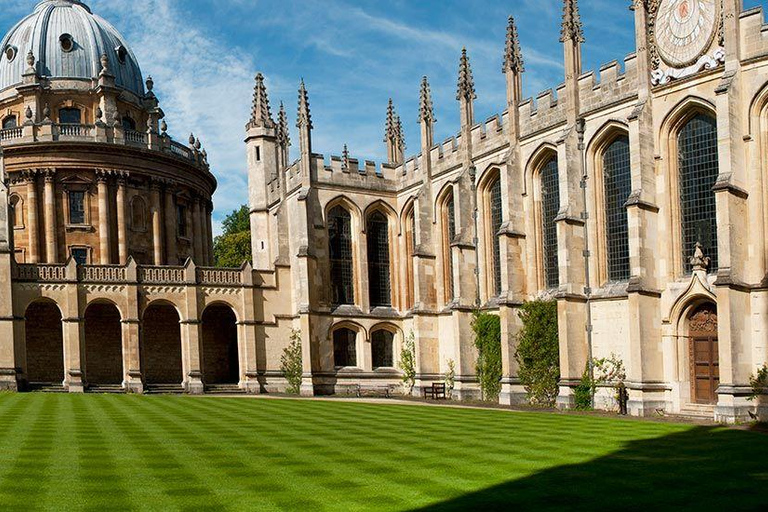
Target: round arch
103	334
43	343
160	344
220	352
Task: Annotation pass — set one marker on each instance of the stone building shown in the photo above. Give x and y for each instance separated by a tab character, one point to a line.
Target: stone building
636	197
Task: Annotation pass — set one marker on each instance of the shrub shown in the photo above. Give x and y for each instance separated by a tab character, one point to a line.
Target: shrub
450	378
538	352
291	364
408	362
488	343
759	382
583	393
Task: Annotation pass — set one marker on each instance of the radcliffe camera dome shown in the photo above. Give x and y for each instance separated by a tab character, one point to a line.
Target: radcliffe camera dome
67	41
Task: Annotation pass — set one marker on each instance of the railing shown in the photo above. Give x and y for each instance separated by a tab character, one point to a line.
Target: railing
180	150
161	275
135	138
101	274
40	273
11	133
219	276
75	130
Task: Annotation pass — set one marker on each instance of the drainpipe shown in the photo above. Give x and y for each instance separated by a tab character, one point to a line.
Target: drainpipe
580	128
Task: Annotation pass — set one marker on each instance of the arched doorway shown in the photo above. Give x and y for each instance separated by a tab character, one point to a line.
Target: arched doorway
703	354
161	360
103	345
220	355
44	344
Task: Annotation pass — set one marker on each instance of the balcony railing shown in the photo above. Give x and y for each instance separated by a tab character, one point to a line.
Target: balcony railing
75	130
135	138
161	275
11	134
219	276
40	273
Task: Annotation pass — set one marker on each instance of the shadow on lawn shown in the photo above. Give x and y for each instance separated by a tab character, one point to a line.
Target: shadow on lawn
705	468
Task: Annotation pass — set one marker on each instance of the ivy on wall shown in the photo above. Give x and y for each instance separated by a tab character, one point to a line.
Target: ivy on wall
488	343
538	352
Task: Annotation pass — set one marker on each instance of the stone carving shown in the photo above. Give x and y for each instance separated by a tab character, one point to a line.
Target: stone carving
513	55
466	86
572	29
699	261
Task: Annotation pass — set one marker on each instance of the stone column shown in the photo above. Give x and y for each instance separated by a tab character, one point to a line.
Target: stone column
157	237
198	231
49	202
122	221
209	224
104	238
73	334
32	220
170	225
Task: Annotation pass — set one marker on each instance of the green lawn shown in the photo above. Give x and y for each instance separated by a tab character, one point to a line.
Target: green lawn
94	452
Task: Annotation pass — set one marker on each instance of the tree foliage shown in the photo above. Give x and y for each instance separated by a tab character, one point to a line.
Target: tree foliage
538	352
408	362
488	343
291	363
759	382
233	247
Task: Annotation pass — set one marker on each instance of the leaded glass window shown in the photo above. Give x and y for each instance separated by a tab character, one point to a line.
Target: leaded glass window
382	349
377	229
410	245
698	170
550	206
496	220
340	252
617	181
344	347
449	233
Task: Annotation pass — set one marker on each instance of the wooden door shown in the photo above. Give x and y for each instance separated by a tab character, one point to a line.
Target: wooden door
705	365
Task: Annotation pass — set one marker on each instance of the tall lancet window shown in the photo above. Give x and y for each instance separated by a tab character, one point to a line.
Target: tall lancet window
617	183
410	249
448	220
495	218
379	289
698	170
340	252
550	205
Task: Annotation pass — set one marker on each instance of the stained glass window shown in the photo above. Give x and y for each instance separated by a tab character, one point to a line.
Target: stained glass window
496	218
340	252
550	206
698	170
377	230
617	181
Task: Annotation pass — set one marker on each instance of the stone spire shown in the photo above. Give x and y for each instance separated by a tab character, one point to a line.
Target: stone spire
426	109
393	135
572	29
261	116
390	129
304	118
283	134
513	55
466	87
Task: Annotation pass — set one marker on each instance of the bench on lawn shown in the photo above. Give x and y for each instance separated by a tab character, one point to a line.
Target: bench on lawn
383	391
436	391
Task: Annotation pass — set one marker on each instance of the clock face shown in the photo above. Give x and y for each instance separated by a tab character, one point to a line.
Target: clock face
684	30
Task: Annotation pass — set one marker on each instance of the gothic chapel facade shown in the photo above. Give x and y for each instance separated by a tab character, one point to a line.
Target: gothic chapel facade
636	197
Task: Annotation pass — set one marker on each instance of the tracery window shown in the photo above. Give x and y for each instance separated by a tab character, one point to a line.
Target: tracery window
550	205
410	249
495	218
377	229
449	233
344	347
340	256
617	184
382	349
697	171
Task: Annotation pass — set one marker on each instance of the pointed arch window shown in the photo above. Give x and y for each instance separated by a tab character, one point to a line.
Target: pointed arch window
382	349
340	255
495	219
379	287
617	185
448	214
344	348
698	168
410	249
550	206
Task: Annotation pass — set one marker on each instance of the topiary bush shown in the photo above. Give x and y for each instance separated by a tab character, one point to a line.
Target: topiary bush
538	352
488	343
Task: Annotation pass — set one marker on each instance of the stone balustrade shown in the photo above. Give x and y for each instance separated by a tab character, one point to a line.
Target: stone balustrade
161	275
219	276
101	274
40	273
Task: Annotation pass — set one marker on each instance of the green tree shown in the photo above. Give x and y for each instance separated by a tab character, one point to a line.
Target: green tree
291	363
408	362
538	352
233	247
488	342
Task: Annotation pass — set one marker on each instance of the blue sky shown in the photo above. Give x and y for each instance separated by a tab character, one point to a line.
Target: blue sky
353	55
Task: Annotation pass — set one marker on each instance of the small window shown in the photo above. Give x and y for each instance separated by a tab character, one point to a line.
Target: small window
258	154
181	220
80	255
9	122
129	125
122	54
67	43
10	53
382	349
70	116
16	212
77	207
344	348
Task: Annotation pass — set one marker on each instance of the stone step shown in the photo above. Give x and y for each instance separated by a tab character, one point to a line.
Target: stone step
111	389
41	387
224	389
163	389
697	411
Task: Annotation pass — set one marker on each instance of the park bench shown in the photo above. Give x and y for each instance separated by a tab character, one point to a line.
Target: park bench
436	391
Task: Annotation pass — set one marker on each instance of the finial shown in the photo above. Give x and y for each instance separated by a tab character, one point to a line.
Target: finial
164	127
304	118
466	88
198	145
28	113
698	261
150	84
104	64
345	158
99	114
390	128
572	28
46	113
261	116
400	134
192	139
31	59
426	110
283	134
513	55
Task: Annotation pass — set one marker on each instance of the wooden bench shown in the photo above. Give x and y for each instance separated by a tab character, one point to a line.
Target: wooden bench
436	391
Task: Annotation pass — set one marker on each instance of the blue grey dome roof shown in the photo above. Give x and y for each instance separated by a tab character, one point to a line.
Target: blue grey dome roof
67	40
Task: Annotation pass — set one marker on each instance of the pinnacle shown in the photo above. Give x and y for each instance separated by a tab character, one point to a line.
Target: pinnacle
572	28
426	109
466	86
513	55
